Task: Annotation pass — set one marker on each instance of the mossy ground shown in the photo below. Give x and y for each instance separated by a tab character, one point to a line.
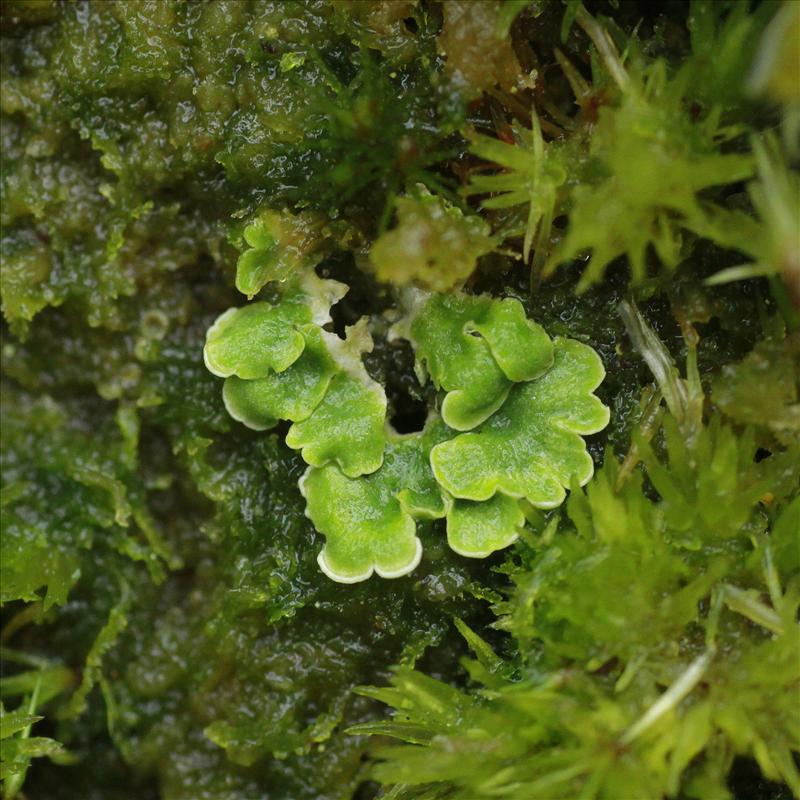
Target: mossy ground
160	590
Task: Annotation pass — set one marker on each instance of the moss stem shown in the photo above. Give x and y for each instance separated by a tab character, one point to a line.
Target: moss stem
670	699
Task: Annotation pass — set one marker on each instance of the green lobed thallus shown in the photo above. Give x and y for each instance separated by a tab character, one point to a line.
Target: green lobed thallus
509	430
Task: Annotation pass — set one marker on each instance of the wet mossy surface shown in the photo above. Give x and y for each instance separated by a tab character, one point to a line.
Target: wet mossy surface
157	551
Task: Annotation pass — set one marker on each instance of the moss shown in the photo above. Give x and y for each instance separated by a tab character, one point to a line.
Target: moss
159	576
604	698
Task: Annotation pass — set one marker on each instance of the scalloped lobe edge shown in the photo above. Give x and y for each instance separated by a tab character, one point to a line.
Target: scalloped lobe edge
237	417
322	294
335	576
496	487
483	553
601	369
533	326
217	322
481	418
599	377
398	573
243	421
565	426
347	353
307	454
223	373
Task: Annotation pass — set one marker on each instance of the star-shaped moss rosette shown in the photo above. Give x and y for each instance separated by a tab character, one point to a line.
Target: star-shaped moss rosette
475	348
531	447
369	522
254	340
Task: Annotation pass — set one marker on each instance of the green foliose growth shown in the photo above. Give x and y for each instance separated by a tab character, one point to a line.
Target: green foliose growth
292	394
399	188
474	348
279	364
530	399
277	245
347	427
434	245
369	522
531	447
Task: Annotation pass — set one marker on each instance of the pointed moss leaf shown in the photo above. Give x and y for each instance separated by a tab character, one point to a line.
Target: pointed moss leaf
249	342
18	749
369	521
473	348
477	530
12	722
292	394
51	681
347	427
532	446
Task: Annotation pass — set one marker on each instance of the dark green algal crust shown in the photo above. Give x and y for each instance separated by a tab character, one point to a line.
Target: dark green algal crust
162	606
